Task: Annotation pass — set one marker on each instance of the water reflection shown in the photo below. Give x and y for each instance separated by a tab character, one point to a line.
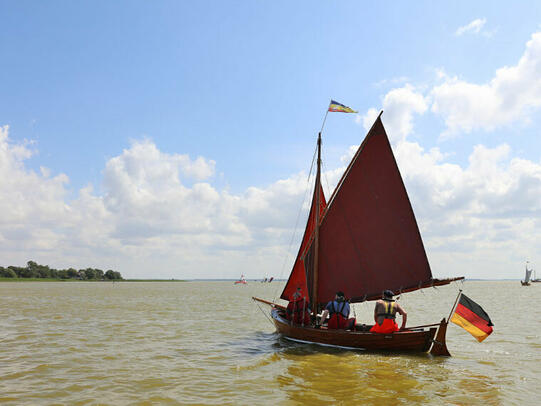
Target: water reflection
343	378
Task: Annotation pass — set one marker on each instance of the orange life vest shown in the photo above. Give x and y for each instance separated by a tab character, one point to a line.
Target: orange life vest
389	325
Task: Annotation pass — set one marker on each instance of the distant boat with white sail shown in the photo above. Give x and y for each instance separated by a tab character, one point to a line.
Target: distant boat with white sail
527	276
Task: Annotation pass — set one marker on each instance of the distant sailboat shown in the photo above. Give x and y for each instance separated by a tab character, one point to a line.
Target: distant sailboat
362	241
535	278
526	281
241	281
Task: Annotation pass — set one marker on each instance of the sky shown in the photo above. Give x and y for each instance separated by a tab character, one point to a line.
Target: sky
173	139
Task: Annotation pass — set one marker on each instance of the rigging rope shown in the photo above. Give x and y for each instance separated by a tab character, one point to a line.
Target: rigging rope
325	170
266	315
296	223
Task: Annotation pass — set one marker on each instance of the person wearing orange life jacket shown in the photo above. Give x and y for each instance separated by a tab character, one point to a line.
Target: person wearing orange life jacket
338	309
385	314
298	309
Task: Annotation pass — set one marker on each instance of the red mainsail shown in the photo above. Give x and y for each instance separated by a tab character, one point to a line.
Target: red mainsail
298	275
369	239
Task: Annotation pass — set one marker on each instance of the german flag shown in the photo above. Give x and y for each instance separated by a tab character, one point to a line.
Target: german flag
472	318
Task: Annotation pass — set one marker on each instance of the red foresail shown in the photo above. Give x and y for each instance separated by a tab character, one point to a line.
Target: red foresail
368	239
298	275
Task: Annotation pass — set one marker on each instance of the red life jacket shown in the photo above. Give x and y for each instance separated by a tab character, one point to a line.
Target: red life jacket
298	311
337	319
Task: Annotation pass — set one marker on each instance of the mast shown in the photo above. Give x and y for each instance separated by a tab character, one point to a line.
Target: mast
314	298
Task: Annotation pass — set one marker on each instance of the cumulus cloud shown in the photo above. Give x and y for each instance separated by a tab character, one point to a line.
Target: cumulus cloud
26	196
485	211
399	105
474	27
154	220
159	215
511	95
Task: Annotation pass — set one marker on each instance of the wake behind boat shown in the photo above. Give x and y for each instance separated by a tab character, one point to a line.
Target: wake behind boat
363	241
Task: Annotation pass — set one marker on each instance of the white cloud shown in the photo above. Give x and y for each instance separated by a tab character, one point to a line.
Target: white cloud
486	211
474	27
150	223
512	94
26	196
399	106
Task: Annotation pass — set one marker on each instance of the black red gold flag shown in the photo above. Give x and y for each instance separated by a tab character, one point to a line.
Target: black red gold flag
472	318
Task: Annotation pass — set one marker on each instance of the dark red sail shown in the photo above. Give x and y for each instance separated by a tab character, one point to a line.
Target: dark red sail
368	239
298	275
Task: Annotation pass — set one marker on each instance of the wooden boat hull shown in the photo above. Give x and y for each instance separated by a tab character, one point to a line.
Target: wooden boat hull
413	340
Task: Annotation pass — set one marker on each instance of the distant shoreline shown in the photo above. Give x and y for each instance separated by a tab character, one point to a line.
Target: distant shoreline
187	280
87	280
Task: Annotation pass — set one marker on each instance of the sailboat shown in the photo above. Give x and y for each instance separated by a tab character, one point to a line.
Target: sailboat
241	281
526	281
362	241
535	278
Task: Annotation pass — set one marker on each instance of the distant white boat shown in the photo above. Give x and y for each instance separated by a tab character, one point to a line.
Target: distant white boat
526	281
535	279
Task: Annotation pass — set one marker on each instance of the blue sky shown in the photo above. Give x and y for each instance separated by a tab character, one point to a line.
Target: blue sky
94	91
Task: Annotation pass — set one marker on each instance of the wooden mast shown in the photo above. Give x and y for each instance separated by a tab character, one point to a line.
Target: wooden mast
314	299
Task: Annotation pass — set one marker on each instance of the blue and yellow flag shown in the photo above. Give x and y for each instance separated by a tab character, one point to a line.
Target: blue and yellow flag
337	107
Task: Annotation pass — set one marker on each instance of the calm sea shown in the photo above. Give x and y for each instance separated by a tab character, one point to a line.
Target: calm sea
198	343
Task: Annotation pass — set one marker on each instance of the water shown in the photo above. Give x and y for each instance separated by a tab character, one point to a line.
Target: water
209	343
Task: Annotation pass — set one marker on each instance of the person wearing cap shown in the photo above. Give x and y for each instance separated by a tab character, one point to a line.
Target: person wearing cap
338	309
385	314
298	309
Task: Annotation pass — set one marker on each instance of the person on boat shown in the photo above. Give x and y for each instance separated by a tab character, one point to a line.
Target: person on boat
298	309
385	314
338	309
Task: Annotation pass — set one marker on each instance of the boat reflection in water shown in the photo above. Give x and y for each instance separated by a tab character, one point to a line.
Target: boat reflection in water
375	379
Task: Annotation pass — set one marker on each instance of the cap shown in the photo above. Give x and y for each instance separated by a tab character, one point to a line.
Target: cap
388	294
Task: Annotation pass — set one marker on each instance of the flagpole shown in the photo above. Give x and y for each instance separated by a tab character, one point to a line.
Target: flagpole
315	274
453	308
325	119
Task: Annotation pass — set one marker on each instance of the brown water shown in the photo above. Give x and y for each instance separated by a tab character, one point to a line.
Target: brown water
209	343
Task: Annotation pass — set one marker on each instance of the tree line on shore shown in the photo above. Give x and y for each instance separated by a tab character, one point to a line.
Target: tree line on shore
34	270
